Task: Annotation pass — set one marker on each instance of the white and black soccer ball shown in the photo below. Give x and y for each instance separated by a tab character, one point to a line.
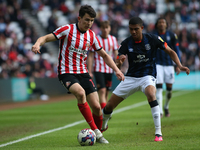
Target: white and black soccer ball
86	137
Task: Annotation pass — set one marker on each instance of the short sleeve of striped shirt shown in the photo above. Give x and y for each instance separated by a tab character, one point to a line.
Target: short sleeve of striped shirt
62	31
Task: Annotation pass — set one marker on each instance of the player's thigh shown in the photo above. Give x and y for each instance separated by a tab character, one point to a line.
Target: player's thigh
150	92
169	74
127	87
147	81
87	83
100	80
160	74
67	80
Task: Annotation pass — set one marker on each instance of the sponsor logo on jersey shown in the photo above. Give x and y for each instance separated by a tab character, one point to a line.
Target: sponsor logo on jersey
141	58
79	51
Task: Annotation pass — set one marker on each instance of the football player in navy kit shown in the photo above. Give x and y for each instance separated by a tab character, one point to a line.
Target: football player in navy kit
165	65
140	49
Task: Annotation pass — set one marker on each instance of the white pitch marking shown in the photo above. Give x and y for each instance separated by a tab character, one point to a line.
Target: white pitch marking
79	122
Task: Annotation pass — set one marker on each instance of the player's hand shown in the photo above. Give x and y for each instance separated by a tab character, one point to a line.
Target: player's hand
91	75
36	49
122	59
178	71
120	75
186	69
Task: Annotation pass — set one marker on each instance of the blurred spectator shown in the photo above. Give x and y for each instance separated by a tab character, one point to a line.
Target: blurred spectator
152	7
185	17
33	90
64	8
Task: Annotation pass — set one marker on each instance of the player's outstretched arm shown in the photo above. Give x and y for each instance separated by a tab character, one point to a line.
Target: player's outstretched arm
41	41
109	61
175	58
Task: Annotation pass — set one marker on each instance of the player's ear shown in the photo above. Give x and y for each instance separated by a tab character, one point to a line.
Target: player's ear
79	18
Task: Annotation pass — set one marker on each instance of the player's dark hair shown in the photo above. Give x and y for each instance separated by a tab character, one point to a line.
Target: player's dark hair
159	20
105	24
136	20
87	9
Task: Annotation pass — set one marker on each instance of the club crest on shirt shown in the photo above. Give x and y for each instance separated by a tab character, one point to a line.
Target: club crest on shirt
168	38
87	45
147	47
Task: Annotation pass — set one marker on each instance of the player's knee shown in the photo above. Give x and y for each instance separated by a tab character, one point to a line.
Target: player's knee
80	94
151	97
97	107
102	91
169	92
169	89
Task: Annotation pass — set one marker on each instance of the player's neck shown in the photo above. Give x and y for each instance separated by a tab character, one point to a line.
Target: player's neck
79	29
104	36
138	40
161	32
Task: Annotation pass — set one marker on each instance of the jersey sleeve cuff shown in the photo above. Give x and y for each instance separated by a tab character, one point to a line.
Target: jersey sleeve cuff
55	36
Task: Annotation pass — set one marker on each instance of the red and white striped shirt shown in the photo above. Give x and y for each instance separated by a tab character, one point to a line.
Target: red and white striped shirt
73	49
109	44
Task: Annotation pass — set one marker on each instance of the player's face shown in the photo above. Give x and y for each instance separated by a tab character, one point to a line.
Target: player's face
136	31
105	31
162	25
85	23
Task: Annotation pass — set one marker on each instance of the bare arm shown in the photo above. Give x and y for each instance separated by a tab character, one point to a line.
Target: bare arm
109	61
175	58
115	55
41	41
120	60
90	60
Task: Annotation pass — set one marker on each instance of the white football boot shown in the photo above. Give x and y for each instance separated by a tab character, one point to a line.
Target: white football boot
99	137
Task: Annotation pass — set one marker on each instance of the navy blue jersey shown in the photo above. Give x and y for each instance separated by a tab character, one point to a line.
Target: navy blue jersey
172	41
142	55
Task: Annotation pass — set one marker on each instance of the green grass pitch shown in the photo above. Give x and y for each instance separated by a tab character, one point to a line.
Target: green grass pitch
55	126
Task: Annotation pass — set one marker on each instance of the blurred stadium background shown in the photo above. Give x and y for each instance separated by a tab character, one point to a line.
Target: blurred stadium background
23	21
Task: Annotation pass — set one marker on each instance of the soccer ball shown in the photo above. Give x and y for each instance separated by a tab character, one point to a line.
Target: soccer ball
86	137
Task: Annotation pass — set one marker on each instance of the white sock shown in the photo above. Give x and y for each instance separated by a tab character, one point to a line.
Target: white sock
159	97
106	118
156	118
167	100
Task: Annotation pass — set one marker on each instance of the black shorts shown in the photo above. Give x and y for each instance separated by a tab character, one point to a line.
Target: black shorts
103	80
67	80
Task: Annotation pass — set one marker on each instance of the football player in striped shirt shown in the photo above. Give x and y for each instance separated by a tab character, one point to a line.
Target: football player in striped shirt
75	41
165	65
102	72
141	75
